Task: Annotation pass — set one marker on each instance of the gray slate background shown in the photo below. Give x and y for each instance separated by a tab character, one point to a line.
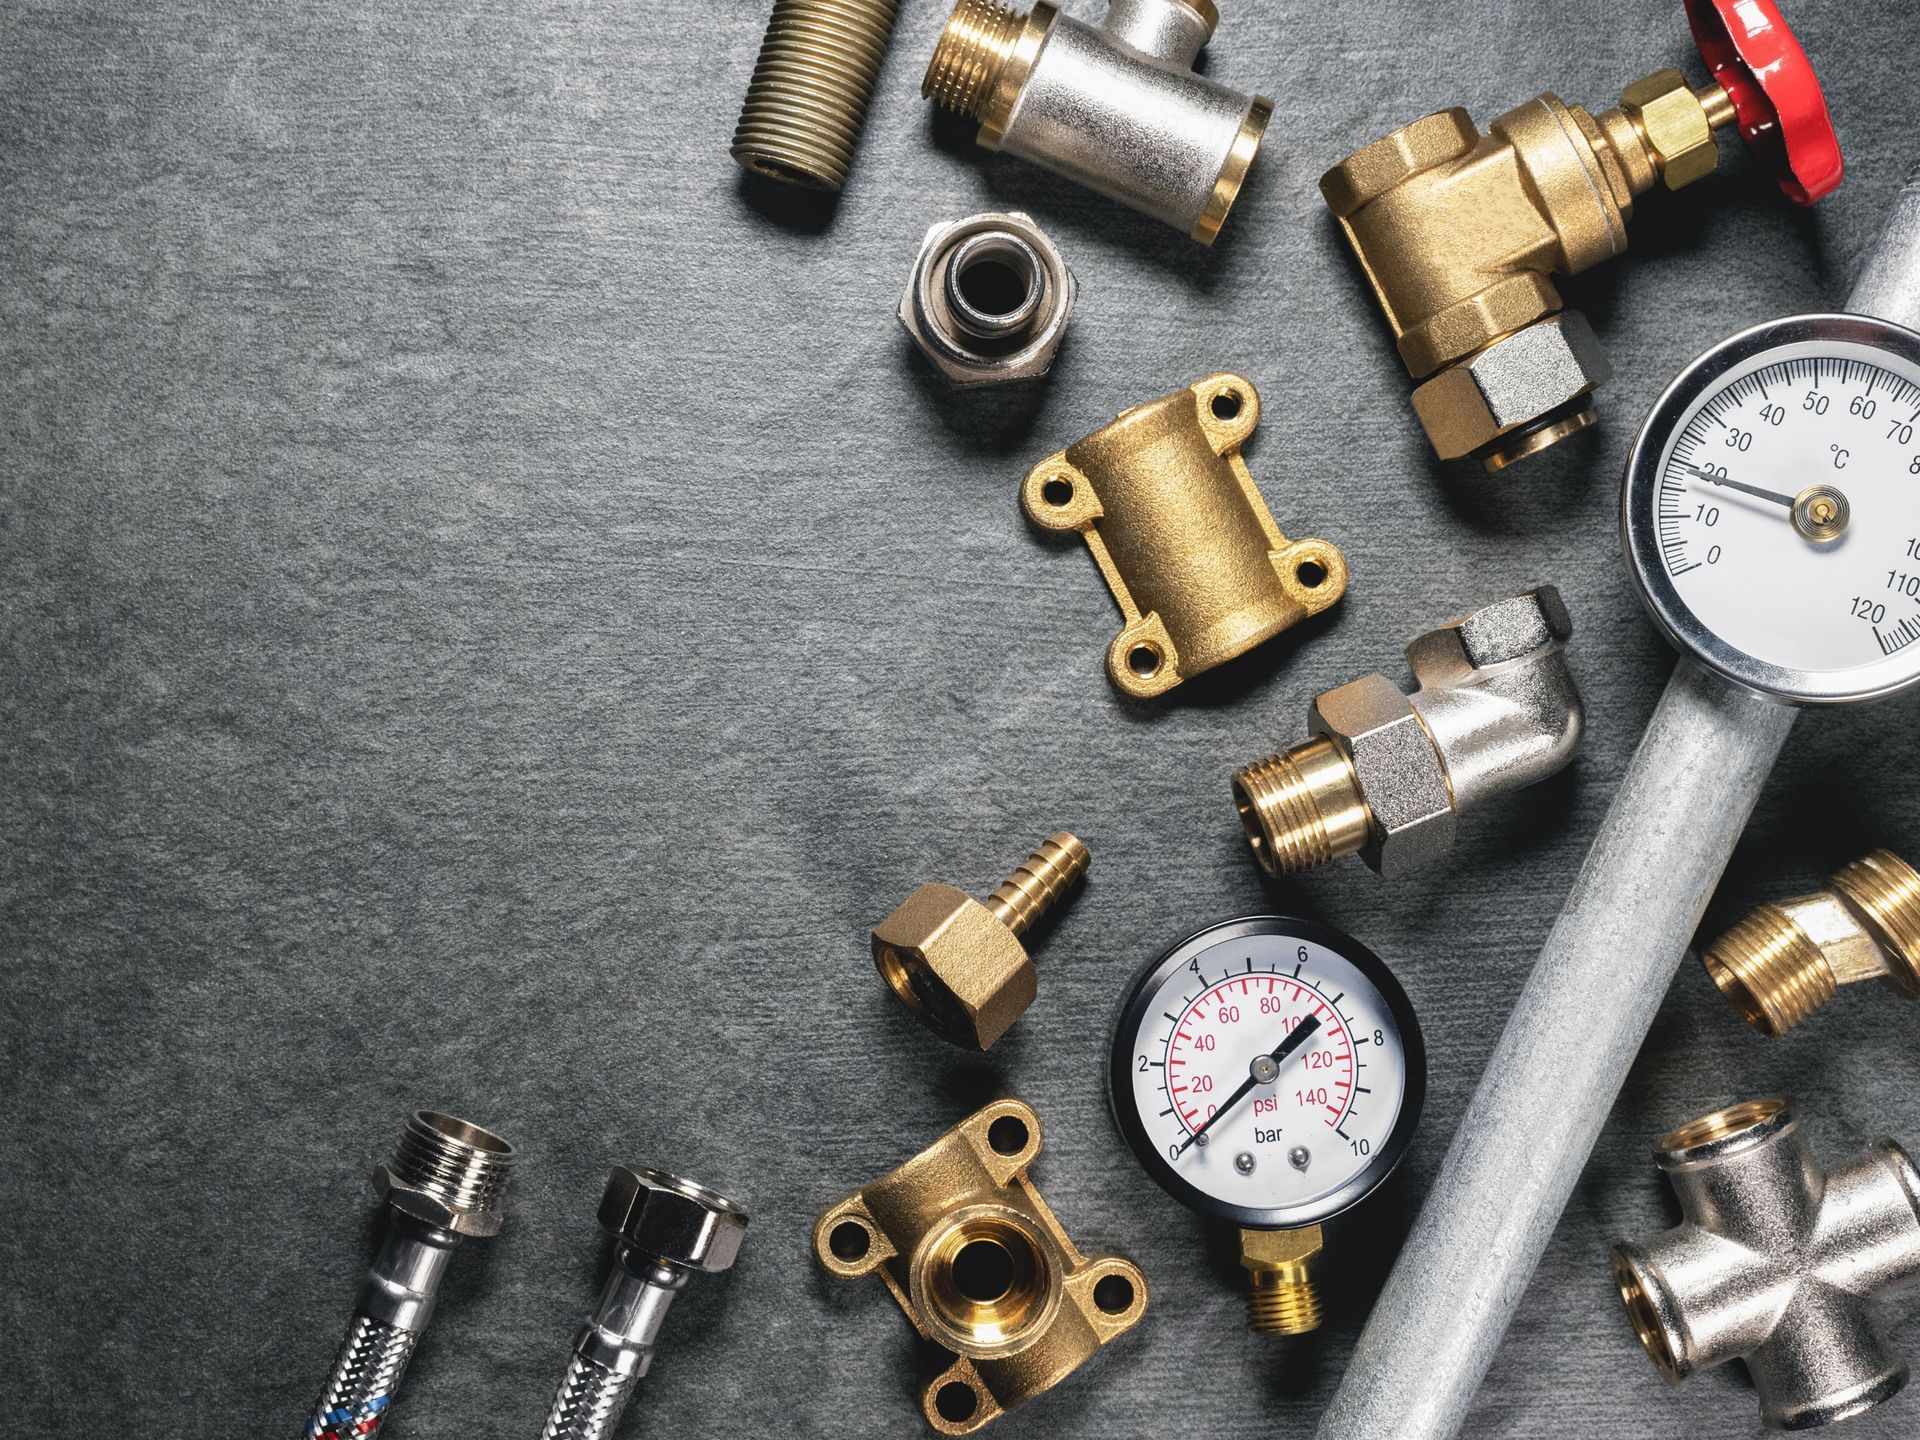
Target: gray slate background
494	611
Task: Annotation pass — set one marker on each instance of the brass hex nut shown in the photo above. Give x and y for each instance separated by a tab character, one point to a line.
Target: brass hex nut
672	1219
1009	326
1397	768
1673	124
955	964
1512	382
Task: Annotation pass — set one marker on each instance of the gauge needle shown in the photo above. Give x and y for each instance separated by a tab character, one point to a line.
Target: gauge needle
1260	1072
1774	495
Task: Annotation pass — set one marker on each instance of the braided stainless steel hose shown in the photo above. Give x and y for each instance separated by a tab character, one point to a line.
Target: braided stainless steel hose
443	1184
667	1229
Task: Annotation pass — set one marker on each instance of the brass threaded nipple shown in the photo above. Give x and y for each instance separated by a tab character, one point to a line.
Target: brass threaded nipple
1771	971
1301	808
1886	892
807	100
1280	1306
1033	889
973	51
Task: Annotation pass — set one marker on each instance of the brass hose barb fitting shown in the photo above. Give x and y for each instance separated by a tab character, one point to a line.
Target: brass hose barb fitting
1460	234
1281	1296
982	1269
1779	1262
958	963
1785	960
808	97
1117	107
1385	775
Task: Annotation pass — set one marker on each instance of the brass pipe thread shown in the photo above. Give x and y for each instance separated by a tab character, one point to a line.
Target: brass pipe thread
1033	889
1301	808
1777	974
973	53
1283	1302
808	97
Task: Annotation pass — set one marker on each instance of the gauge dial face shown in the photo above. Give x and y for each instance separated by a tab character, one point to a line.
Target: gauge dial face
1773	508
1235	1114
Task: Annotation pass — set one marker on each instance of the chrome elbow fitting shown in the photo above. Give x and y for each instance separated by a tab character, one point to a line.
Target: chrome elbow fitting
1777	1262
1116	107
1385	775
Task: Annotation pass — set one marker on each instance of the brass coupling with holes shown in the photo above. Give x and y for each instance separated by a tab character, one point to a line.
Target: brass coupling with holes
1459	235
1385	774
982	1268
1779	1262
1185	542
959	963
1116	107
1787	959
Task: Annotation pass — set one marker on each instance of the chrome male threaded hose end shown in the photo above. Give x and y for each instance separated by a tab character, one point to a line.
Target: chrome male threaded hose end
445	1183
667	1229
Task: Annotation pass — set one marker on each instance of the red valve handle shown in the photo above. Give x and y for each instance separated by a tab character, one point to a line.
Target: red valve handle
1776	96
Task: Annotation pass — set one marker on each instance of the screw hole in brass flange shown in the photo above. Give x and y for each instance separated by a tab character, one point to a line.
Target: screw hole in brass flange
1225	405
1008	1135
1144	661
1057	491
850	1240
1114	1294
955	1402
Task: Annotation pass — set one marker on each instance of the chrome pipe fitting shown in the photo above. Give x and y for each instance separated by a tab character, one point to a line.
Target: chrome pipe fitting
1116	107
1777	1262
667	1229
988	300
1385	775
444	1183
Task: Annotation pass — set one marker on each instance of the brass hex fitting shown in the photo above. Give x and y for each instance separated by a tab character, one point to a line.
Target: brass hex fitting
1117	108
1459	235
1281	1296
989	299
958	962
1198	567
1779	1262
977	1261
1384	774
807	100
1785	960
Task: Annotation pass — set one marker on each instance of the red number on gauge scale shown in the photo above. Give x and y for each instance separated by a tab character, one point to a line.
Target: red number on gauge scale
1234	1020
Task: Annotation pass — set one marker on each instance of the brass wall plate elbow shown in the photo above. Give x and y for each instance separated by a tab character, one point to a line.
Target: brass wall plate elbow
1180	532
975	1258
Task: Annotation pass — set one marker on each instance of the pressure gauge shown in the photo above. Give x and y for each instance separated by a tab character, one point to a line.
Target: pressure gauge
1772	508
1268	1071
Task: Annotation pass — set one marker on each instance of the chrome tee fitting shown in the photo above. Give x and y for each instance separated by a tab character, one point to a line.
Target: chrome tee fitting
1777	1262
666	1229
1117	107
444	1184
1386	774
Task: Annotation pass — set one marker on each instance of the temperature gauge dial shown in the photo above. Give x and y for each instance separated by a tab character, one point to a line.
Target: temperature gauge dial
1268	1072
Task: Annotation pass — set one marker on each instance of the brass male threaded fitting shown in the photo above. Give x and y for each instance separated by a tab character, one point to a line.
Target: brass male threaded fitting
973	53
808	97
1282	1298
1785	960
1301	808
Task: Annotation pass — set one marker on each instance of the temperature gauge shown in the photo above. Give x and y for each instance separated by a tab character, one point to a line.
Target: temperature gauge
1269	1072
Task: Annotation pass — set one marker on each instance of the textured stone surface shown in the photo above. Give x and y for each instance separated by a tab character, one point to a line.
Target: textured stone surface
492	610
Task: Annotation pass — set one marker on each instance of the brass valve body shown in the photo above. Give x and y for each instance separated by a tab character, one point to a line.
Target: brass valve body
1460	234
1281	1296
1117	107
958	963
1167	506
1786	960
977	1261
1779	1262
1385	775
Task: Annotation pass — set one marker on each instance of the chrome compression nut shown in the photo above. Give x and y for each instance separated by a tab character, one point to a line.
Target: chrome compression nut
665	1229
1778	1262
1117	107
1386	774
989	299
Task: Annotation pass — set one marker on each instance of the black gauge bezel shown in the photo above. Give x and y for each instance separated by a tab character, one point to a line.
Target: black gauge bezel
1133	1014
1657	591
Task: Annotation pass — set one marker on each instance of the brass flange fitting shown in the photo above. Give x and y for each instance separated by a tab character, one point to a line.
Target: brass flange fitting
1117	108
1386	774
1459	234
1779	1262
1784	961
1281	1296
958	962
1189	549
977	1261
